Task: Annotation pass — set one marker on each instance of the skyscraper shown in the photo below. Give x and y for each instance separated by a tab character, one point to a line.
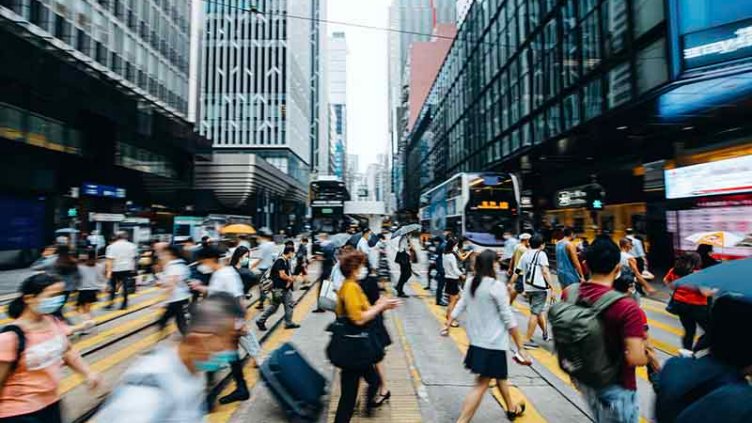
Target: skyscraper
260	84
337	71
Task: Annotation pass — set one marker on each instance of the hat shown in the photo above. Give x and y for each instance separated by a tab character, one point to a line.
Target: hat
525	236
265	232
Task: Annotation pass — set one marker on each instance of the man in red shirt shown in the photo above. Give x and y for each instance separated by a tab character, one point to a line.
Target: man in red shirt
625	335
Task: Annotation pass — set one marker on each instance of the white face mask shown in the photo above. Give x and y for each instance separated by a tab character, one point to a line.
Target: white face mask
204	269
362	273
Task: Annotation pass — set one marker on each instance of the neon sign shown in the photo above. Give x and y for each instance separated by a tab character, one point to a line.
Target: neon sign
742	40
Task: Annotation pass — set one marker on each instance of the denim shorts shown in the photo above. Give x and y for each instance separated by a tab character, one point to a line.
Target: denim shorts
537	300
612	404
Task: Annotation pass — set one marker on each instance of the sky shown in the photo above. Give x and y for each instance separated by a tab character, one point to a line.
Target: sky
367	74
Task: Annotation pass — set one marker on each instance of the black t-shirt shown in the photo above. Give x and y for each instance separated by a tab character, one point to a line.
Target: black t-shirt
280	265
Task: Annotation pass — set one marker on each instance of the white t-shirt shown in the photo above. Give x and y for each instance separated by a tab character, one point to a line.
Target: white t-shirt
267	254
123	255
539	283
91	277
158	388
178	272
227	280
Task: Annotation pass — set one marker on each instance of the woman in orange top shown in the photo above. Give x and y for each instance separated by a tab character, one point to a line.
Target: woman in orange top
689	303
29	382
353	304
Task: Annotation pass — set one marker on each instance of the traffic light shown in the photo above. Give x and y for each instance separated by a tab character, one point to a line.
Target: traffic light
595	197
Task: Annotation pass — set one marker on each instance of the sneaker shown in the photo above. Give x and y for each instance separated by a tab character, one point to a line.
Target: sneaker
531	345
260	325
318	310
546	337
292	326
403	295
442	304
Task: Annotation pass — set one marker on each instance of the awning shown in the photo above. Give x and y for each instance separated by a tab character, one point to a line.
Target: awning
235	177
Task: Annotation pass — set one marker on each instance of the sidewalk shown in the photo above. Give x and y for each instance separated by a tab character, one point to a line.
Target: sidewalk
403	405
311	340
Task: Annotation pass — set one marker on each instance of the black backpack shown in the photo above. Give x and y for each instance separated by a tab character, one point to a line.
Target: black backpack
19	350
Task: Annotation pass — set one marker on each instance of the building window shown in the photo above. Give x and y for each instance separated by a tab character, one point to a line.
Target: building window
652	66
571	44
591	41
647	14
619	85
593	99
615	20
571	111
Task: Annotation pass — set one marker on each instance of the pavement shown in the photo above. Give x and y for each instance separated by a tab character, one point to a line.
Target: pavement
11	279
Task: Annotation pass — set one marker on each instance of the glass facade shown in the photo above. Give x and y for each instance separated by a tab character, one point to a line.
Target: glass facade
523	72
144	42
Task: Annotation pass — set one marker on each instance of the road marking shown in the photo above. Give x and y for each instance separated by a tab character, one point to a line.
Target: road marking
113	359
224	413
459	336
106	335
96	306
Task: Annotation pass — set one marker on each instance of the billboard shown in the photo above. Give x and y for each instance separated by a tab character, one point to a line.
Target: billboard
728	176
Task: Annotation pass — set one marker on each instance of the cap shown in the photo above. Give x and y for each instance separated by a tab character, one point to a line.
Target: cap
525	236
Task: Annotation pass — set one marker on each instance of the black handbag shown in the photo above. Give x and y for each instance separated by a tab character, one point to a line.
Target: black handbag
353	347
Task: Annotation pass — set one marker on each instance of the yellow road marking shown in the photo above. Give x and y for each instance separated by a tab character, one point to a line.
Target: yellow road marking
97	306
459	336
223	413
113	359
118	330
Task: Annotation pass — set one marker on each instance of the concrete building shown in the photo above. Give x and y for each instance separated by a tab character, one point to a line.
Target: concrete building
337	80
417	19
425	61
260	94
351	170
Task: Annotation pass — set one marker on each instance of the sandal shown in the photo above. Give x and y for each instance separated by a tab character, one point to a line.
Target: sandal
519	411
455	324
444	332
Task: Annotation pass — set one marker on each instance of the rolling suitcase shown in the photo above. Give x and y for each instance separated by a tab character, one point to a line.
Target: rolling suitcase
297	387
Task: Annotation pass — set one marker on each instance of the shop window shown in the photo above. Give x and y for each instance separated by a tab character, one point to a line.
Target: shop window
11	123
647	14
652	66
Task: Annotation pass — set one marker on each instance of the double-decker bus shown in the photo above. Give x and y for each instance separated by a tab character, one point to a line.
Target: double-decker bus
327	200
478	206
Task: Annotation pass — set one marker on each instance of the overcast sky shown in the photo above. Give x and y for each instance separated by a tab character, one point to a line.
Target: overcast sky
367	92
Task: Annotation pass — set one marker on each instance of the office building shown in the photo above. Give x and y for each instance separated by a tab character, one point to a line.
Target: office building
563	90
463	6
260	95
337	80
93	109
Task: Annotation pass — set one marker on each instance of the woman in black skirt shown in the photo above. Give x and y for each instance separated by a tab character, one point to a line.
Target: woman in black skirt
489	325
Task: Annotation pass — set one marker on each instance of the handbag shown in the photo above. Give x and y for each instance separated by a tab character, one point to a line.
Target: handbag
672	306
327	296
353	347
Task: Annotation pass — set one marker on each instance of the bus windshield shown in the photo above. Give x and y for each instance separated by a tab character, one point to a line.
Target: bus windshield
491	210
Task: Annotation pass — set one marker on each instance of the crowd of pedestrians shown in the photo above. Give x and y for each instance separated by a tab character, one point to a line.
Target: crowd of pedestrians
589	315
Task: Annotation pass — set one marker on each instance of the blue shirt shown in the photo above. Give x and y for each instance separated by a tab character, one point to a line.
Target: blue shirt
566	272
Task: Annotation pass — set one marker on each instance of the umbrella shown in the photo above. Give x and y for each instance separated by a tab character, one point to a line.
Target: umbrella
716	239
238	228
339	240
729	277
67	231
404	230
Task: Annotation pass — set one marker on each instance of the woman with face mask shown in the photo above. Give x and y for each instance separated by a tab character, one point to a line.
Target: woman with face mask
33	350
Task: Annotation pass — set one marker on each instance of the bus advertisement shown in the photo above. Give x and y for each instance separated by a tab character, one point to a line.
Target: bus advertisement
477	206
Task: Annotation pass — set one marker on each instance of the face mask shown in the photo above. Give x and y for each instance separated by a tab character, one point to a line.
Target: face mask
362	273
205	269
244	261
50	305
216	361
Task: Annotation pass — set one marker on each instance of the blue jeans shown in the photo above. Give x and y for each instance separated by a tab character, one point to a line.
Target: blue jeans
612	404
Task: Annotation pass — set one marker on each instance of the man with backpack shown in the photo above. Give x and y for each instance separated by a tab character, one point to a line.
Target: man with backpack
600	338
533	269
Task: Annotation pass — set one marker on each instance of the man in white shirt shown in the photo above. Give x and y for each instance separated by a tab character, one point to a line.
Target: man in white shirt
167	384
121	266
638	250
175	279
533	268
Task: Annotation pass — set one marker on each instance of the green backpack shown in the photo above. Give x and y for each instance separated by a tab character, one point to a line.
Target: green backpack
579	337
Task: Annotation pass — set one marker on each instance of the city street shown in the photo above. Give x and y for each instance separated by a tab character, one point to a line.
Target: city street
424	370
